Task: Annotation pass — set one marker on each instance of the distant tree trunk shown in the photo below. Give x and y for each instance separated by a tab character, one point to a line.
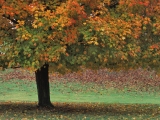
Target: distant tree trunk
42	80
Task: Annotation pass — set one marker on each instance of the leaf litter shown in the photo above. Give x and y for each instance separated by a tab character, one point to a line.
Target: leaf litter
132	80
79	111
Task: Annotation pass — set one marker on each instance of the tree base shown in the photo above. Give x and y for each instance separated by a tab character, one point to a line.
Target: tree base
50	106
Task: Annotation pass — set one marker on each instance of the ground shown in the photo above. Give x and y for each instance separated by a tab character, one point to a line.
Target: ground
133	95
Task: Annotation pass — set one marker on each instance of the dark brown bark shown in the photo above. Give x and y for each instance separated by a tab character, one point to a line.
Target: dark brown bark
42	80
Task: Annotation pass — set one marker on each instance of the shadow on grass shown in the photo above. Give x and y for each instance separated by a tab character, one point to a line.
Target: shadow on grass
82	108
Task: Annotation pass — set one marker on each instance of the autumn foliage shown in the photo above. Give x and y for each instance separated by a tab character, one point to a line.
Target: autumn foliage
76	33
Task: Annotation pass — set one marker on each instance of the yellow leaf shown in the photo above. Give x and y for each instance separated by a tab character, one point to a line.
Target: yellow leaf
84	23
123	38
34	26
96	43
21	23
36	15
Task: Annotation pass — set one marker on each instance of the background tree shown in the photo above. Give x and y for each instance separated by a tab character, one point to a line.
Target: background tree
71	34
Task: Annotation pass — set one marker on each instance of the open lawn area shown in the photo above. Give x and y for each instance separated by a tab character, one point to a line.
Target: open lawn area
74	99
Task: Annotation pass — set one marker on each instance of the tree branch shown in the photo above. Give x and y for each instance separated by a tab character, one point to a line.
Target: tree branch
9	18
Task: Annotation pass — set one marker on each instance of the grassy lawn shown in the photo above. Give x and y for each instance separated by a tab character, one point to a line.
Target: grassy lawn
22	90
77	100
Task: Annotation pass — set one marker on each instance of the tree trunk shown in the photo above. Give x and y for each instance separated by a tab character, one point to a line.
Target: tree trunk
42	80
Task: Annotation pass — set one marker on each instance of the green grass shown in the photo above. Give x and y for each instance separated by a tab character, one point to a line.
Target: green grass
23	90
76	101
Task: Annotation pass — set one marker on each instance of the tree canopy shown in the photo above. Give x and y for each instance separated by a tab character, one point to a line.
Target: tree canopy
68	34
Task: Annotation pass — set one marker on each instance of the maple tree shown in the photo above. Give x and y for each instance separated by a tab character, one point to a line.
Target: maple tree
69	34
